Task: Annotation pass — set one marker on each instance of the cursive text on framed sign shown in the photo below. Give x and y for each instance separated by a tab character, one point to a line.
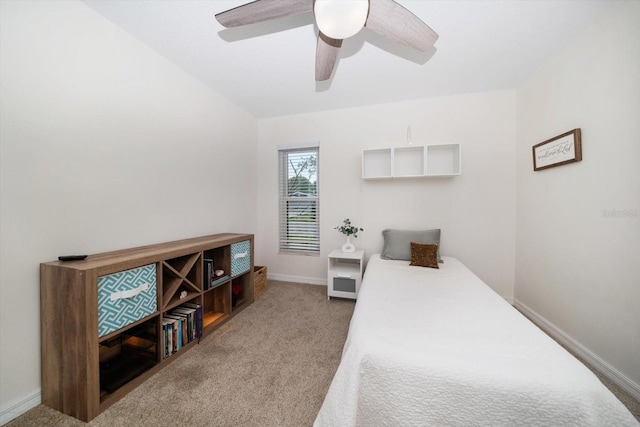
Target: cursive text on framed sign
563	149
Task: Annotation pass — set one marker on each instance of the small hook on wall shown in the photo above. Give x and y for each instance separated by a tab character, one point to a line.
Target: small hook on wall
408	135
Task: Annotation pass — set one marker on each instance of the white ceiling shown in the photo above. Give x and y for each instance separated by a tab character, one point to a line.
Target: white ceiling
268	68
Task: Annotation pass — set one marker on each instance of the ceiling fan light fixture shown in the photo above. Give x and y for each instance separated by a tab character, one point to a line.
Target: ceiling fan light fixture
340	19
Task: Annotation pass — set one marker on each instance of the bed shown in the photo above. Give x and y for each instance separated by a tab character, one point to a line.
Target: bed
438	347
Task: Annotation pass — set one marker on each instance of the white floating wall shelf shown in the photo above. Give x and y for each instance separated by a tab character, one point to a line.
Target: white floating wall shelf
419	161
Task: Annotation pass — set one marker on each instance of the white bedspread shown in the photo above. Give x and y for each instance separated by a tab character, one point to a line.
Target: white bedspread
440	348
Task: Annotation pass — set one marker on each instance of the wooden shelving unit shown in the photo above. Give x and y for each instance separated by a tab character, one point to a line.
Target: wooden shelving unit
84	373
213	318
181	275
216	306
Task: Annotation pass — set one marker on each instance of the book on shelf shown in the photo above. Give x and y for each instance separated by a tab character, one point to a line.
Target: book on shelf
173	330
167	330
178	333
190	315
198	309
184	326
219	279
208	273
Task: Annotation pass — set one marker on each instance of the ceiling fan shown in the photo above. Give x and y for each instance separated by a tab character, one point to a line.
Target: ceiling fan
338	20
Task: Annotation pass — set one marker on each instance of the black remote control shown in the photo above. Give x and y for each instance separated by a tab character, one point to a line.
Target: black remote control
71	257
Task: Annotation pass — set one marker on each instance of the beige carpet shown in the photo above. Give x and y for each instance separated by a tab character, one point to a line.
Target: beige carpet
269	366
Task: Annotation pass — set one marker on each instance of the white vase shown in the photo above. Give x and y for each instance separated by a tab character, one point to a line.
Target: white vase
348	247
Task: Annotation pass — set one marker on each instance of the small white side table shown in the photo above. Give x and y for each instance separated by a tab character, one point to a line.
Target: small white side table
344	273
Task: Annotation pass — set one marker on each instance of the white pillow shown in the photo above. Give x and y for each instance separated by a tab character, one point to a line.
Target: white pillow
397	243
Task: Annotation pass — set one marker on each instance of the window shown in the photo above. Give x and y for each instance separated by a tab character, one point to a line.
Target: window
299	201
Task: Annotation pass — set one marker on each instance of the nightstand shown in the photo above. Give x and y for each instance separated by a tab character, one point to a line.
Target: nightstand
344	273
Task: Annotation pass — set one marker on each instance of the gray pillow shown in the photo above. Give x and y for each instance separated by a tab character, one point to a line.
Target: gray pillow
397	243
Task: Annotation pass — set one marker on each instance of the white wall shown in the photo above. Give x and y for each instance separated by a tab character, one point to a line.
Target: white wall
475	211
577	265
104	145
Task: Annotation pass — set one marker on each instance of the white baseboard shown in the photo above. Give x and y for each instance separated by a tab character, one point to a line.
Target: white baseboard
297	279
594	360
19	406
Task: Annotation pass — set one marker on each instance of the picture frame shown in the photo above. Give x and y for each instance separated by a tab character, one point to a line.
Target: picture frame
557	151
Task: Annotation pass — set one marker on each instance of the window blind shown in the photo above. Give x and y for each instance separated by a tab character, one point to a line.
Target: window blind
299	213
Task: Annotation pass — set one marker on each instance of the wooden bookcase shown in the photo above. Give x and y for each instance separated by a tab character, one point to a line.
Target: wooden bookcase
84	373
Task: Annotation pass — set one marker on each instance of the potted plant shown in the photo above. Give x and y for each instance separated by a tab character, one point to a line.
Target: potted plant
348	230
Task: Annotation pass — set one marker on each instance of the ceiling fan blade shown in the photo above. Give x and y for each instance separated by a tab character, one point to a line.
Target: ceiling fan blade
263	10
391	20
326	56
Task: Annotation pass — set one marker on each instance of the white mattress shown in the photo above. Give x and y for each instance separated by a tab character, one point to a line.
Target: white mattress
439	347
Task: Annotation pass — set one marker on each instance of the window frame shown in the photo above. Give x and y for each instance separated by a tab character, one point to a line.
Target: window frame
287	246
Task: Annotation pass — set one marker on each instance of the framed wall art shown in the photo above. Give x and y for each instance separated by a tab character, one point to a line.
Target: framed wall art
563	149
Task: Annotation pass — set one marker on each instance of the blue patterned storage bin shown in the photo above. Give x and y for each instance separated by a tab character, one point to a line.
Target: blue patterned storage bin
125	297
240	257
